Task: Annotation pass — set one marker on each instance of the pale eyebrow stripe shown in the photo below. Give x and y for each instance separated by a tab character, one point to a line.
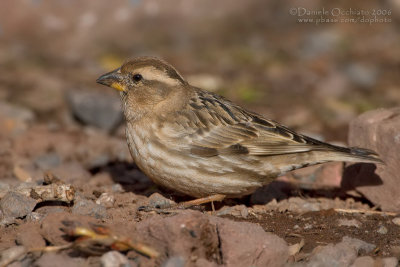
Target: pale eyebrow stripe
151	73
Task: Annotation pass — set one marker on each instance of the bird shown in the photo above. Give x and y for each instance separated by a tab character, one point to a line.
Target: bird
203	145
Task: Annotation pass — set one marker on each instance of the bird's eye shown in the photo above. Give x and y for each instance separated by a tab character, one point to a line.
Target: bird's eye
137	77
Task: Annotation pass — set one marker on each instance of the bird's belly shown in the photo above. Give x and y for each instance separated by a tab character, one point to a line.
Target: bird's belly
189	174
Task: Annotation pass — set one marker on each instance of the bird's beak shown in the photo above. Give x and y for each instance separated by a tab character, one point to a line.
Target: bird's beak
112	79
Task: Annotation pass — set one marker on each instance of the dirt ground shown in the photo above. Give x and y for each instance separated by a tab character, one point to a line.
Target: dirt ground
71	194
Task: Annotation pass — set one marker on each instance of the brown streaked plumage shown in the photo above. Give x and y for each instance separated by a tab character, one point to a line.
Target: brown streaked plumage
201	144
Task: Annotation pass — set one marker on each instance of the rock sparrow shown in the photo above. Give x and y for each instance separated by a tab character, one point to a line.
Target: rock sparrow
201	144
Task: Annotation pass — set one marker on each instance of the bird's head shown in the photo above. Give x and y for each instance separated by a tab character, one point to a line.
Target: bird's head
144	82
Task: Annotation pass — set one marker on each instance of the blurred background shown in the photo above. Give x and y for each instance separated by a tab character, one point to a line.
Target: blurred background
273	57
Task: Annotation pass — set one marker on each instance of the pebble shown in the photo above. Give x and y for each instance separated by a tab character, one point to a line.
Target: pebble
95	108
382	230
106	200
34	216
396	221
308	226
114	259
349	223
14	205
117	188
174	262
88	207
340	254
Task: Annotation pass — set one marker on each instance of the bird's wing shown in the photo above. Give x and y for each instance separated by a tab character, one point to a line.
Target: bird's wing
216	126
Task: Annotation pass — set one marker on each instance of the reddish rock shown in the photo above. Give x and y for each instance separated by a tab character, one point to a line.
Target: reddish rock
193	236
247	244
378	130
322	176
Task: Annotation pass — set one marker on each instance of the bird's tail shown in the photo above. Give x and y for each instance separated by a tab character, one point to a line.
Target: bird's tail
356	154
349	154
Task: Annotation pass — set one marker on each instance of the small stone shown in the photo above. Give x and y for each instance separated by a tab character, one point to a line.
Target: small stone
382	230
158	201
106	200
396	221
114	259
341	254
308	226
117	188
34	216
174	262
15	205
239	211
95	108
88	207
349	223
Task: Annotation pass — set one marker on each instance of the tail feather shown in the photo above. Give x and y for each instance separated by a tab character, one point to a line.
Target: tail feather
356	154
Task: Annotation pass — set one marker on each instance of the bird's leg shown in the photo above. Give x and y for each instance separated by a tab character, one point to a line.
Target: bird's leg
199	201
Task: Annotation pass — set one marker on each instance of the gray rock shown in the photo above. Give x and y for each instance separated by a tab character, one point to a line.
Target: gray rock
174	262
15	205
362	75
114	259
47	161
341	254
88	207
96	108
